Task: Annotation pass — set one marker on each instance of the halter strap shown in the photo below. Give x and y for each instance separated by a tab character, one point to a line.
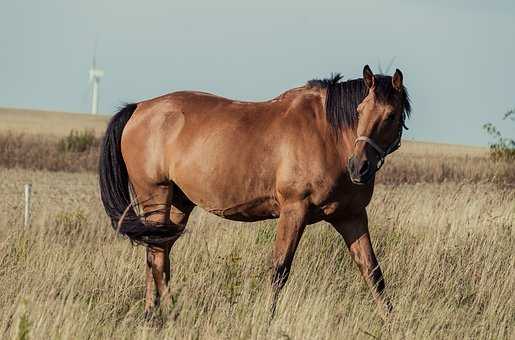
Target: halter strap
372	144
382	153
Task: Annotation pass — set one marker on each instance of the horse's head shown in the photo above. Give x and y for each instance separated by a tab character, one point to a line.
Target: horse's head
381	117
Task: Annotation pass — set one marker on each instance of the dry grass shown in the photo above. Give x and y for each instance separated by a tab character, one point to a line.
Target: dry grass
49	123
418	165
446	250
38	152
439	149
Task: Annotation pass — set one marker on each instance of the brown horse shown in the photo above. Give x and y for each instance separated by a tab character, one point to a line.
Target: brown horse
309	155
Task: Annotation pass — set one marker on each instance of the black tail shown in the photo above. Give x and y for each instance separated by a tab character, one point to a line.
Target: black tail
114	189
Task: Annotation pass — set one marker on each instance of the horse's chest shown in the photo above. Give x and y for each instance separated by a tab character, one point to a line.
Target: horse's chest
345	199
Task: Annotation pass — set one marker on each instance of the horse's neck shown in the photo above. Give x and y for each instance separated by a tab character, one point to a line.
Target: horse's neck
345	144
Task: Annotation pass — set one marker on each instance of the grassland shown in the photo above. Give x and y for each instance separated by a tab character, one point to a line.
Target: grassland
48	122
442	222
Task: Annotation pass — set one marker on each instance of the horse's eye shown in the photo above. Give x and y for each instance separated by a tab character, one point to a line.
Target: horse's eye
390	117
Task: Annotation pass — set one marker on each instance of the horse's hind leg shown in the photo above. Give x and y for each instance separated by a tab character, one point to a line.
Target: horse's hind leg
158	260
175	212
154	203
149	284
158	271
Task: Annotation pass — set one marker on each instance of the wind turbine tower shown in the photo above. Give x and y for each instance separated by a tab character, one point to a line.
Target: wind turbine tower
94	78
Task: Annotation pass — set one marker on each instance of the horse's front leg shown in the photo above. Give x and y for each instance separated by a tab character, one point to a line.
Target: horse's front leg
354	230
290	227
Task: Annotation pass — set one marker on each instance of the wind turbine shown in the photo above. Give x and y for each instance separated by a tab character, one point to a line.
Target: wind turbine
94	78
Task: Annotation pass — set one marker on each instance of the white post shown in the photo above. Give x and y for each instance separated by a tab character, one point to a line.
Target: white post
94	102
28	193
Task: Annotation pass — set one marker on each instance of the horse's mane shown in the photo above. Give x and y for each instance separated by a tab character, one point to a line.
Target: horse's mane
343	98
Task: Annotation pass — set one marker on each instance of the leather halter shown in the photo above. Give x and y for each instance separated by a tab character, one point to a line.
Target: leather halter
382	153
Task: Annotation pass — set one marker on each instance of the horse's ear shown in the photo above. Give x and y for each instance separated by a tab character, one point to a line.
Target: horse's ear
368	77
397	80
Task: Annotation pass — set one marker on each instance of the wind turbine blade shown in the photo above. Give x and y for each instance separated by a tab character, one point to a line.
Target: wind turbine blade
390	65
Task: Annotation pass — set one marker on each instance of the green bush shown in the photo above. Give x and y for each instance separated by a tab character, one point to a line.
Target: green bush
78	141
502	148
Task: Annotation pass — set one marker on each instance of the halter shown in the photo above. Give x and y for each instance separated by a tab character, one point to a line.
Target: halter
382	153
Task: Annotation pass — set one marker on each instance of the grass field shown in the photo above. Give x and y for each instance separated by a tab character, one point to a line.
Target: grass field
446	250
49	123
443	231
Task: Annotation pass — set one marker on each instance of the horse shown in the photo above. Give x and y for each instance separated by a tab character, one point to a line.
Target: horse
308	155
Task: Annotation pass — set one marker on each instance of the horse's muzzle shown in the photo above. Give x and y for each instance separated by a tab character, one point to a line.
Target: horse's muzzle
361	172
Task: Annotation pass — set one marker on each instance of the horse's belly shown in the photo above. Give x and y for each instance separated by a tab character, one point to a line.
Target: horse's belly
234	201
254	210
224	191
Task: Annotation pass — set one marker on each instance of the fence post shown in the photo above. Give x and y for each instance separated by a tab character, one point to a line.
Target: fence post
28	194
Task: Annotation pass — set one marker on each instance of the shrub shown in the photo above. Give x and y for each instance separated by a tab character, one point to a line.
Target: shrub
41	152
78	141
502	148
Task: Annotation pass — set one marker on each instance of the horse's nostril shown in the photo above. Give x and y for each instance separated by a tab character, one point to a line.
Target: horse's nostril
364	168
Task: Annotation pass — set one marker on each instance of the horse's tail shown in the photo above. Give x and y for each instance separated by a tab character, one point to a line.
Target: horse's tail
114	189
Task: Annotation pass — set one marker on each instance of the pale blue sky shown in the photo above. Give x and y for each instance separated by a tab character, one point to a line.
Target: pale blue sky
458	57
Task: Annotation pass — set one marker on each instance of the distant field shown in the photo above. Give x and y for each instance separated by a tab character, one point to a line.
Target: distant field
49	123
438	149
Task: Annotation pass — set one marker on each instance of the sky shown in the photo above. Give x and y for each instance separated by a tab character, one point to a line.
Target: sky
457	57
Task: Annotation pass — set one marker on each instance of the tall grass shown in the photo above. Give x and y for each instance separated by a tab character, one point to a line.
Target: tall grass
446	250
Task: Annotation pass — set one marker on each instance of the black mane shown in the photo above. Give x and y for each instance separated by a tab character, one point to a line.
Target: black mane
343	98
